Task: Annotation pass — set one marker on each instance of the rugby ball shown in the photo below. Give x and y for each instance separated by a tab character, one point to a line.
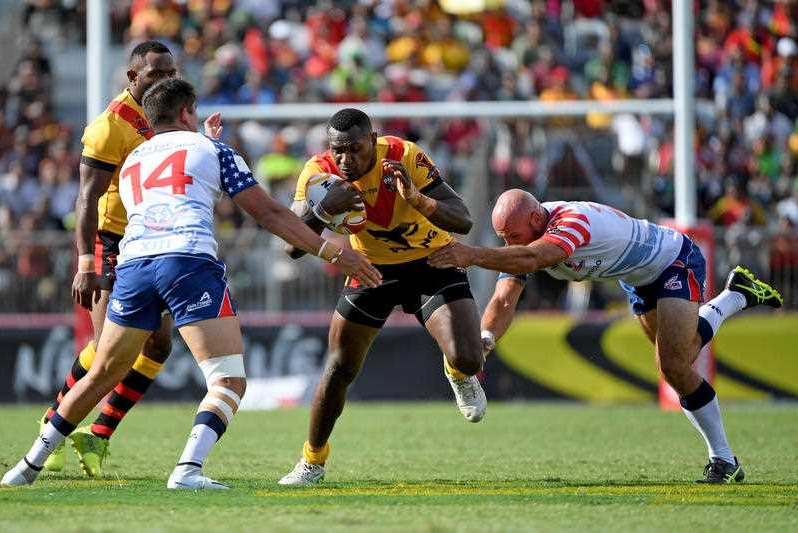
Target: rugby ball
347	223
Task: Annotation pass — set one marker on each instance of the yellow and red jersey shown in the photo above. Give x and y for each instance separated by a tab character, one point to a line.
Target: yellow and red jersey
107	141
395	232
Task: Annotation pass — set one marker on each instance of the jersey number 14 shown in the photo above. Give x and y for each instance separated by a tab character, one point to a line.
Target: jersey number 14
169	172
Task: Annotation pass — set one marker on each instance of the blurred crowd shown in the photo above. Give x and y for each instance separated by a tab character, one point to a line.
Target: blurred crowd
276	51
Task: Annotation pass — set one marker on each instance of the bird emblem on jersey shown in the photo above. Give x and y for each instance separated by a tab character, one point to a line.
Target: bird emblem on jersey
397	234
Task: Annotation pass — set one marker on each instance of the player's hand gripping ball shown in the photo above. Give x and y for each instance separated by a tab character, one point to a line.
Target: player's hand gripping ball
351	219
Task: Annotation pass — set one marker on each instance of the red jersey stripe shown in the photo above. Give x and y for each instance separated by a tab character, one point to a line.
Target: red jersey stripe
132	117
571	237
566	246
569	214
577	227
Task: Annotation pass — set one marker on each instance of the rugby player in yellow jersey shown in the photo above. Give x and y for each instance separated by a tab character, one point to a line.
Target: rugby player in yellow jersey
101	221
410	212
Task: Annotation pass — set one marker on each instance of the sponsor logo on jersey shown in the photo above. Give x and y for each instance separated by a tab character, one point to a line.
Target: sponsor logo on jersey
576	267
673	284
204	301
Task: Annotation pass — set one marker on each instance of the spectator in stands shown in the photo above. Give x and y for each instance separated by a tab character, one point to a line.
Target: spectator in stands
736	206
787	209
249	51
278	170
154	17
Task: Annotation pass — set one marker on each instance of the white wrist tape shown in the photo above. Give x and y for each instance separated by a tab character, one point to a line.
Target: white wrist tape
324	243
223	366
86	263
488	339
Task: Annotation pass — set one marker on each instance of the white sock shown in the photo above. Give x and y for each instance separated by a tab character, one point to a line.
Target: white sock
47	441
708	422
199	445
721	307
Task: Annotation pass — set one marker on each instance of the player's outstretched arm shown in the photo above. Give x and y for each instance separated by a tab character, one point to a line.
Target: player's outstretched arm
304	213
340	197
280	221
441	205
500	311
511	259
93	184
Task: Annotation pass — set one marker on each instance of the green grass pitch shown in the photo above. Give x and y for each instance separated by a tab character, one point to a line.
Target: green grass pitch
421	467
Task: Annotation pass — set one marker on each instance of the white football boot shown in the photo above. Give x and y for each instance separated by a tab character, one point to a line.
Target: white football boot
304	473
469	395
21	474
190	477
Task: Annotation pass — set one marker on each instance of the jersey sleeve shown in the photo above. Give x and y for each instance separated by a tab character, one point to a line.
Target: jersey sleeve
234	173
103	147
568	228
422	170
310	169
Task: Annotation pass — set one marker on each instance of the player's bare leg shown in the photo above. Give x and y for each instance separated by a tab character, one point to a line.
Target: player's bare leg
115	353
648	322
218	348
81	365
348	344
677	348
91	443
455	327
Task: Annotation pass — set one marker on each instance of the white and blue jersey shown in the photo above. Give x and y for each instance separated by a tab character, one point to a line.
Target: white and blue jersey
605	244
167	258
169	185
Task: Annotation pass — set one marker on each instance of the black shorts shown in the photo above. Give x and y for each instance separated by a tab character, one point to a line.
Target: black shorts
106	248
419	288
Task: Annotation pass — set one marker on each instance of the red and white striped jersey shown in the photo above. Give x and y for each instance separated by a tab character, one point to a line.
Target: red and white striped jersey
604	243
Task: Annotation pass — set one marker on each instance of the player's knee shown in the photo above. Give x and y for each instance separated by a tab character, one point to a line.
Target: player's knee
225	371
226	381
674	369
105	375
236	385
344	372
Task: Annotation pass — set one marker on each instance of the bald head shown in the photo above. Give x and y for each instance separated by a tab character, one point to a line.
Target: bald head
518	217
513	205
